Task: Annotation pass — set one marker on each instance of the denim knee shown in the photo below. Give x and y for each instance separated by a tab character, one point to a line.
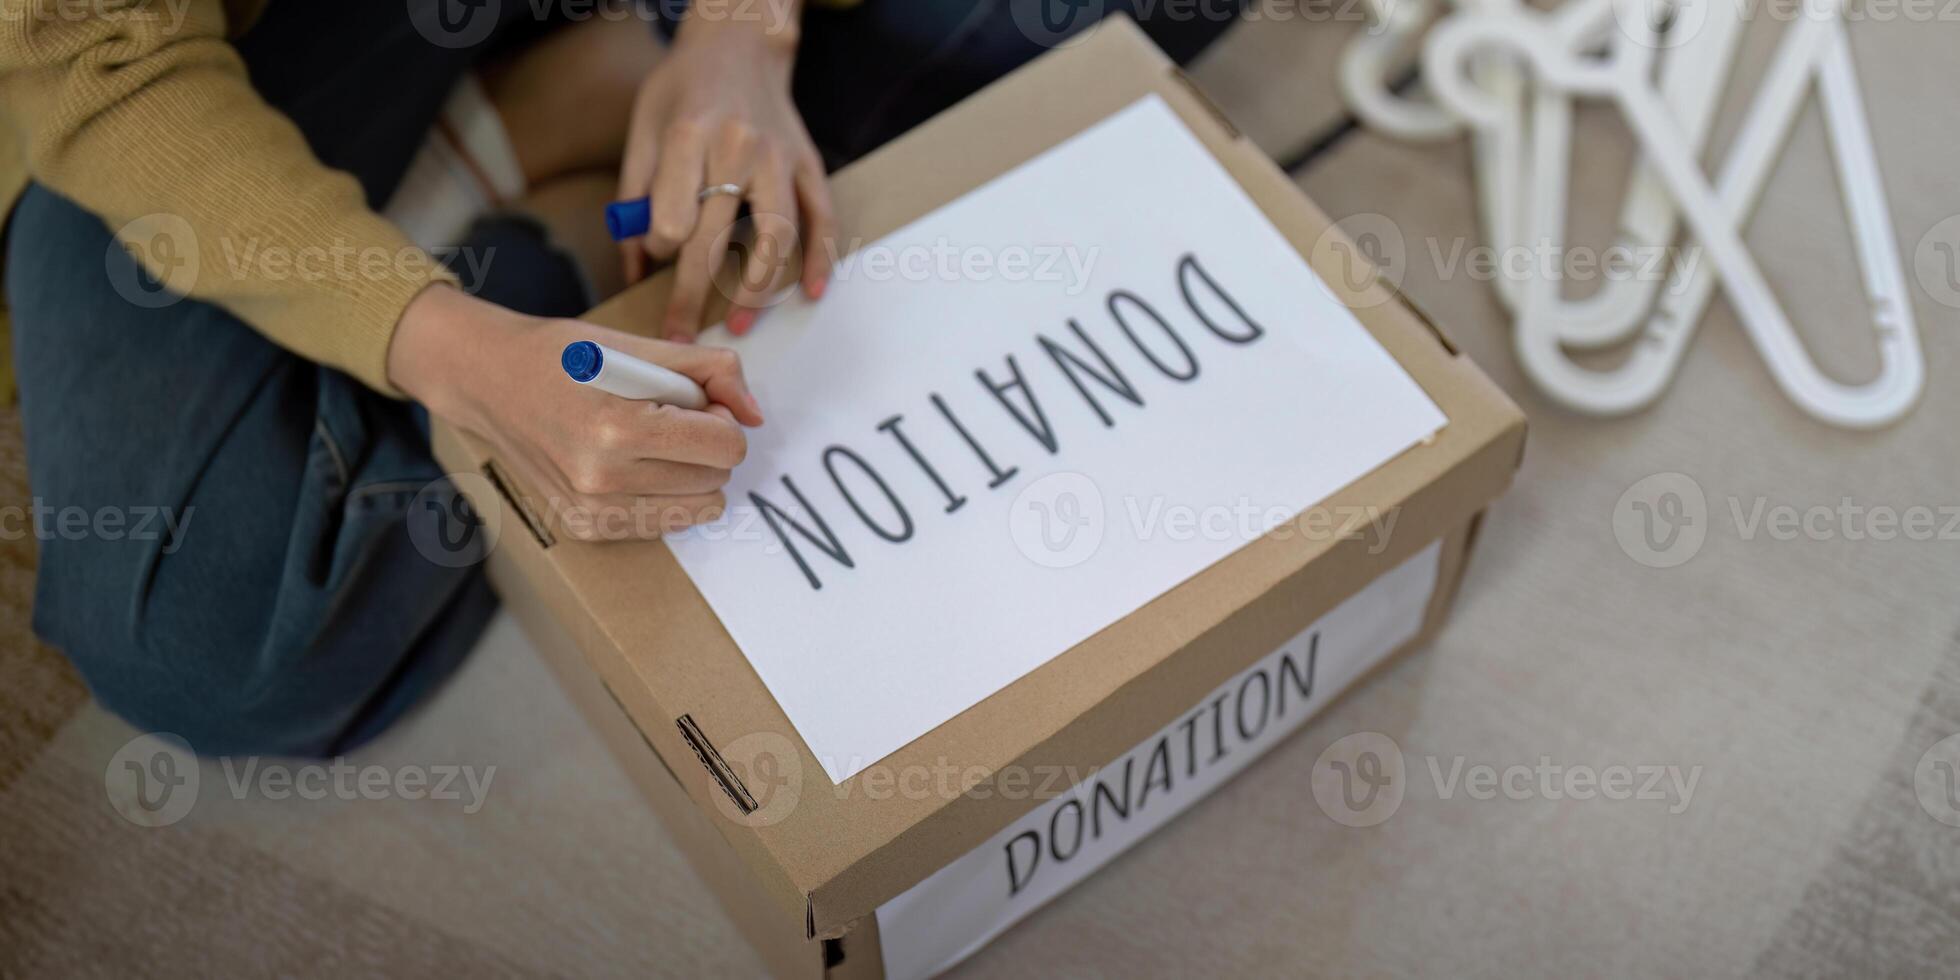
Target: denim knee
237	570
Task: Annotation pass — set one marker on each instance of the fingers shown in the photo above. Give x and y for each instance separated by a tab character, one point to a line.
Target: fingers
773	212
657	451
668	478
819	226
644	431
718	371
645	469
694	269
731	159
683	436
668	174
676	181
785	186
636	181
614	473
618	516
626	518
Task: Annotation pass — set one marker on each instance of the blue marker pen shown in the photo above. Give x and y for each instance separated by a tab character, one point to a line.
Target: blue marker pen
629	219
629	377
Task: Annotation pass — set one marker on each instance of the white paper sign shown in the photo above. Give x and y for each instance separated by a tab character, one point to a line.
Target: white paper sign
960	907
1020	418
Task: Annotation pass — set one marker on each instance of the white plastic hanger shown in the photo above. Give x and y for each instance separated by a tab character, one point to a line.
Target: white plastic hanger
1815	47
1376	54
1692	81
1368	61
1694	73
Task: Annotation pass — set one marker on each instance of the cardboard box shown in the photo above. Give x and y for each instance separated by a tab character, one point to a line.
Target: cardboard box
923	856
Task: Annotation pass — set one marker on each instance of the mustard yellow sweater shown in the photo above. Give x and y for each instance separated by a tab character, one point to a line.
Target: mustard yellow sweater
127	118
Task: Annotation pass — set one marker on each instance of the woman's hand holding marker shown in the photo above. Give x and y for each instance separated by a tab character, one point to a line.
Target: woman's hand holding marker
609	467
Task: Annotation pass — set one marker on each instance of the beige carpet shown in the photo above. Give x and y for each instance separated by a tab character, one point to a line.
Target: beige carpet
38	690
1806	678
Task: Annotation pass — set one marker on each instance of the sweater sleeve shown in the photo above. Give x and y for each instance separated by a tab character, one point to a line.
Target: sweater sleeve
150	122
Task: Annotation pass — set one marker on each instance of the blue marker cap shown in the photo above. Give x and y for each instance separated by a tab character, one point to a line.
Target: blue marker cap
629	219
582	360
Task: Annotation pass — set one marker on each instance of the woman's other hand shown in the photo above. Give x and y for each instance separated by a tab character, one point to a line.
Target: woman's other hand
717	111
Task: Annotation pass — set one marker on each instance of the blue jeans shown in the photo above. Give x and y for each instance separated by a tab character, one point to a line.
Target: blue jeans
284	607
256	589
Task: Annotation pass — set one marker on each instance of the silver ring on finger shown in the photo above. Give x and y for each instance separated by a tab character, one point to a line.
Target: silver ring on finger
716	190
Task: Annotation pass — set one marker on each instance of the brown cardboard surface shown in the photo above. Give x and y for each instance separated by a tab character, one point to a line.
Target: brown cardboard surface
780	940
783	947
654	642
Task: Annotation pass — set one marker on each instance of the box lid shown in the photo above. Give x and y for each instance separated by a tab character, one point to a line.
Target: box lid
832	854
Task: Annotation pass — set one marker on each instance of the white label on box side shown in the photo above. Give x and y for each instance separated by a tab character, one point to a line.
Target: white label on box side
1022	417
963	905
